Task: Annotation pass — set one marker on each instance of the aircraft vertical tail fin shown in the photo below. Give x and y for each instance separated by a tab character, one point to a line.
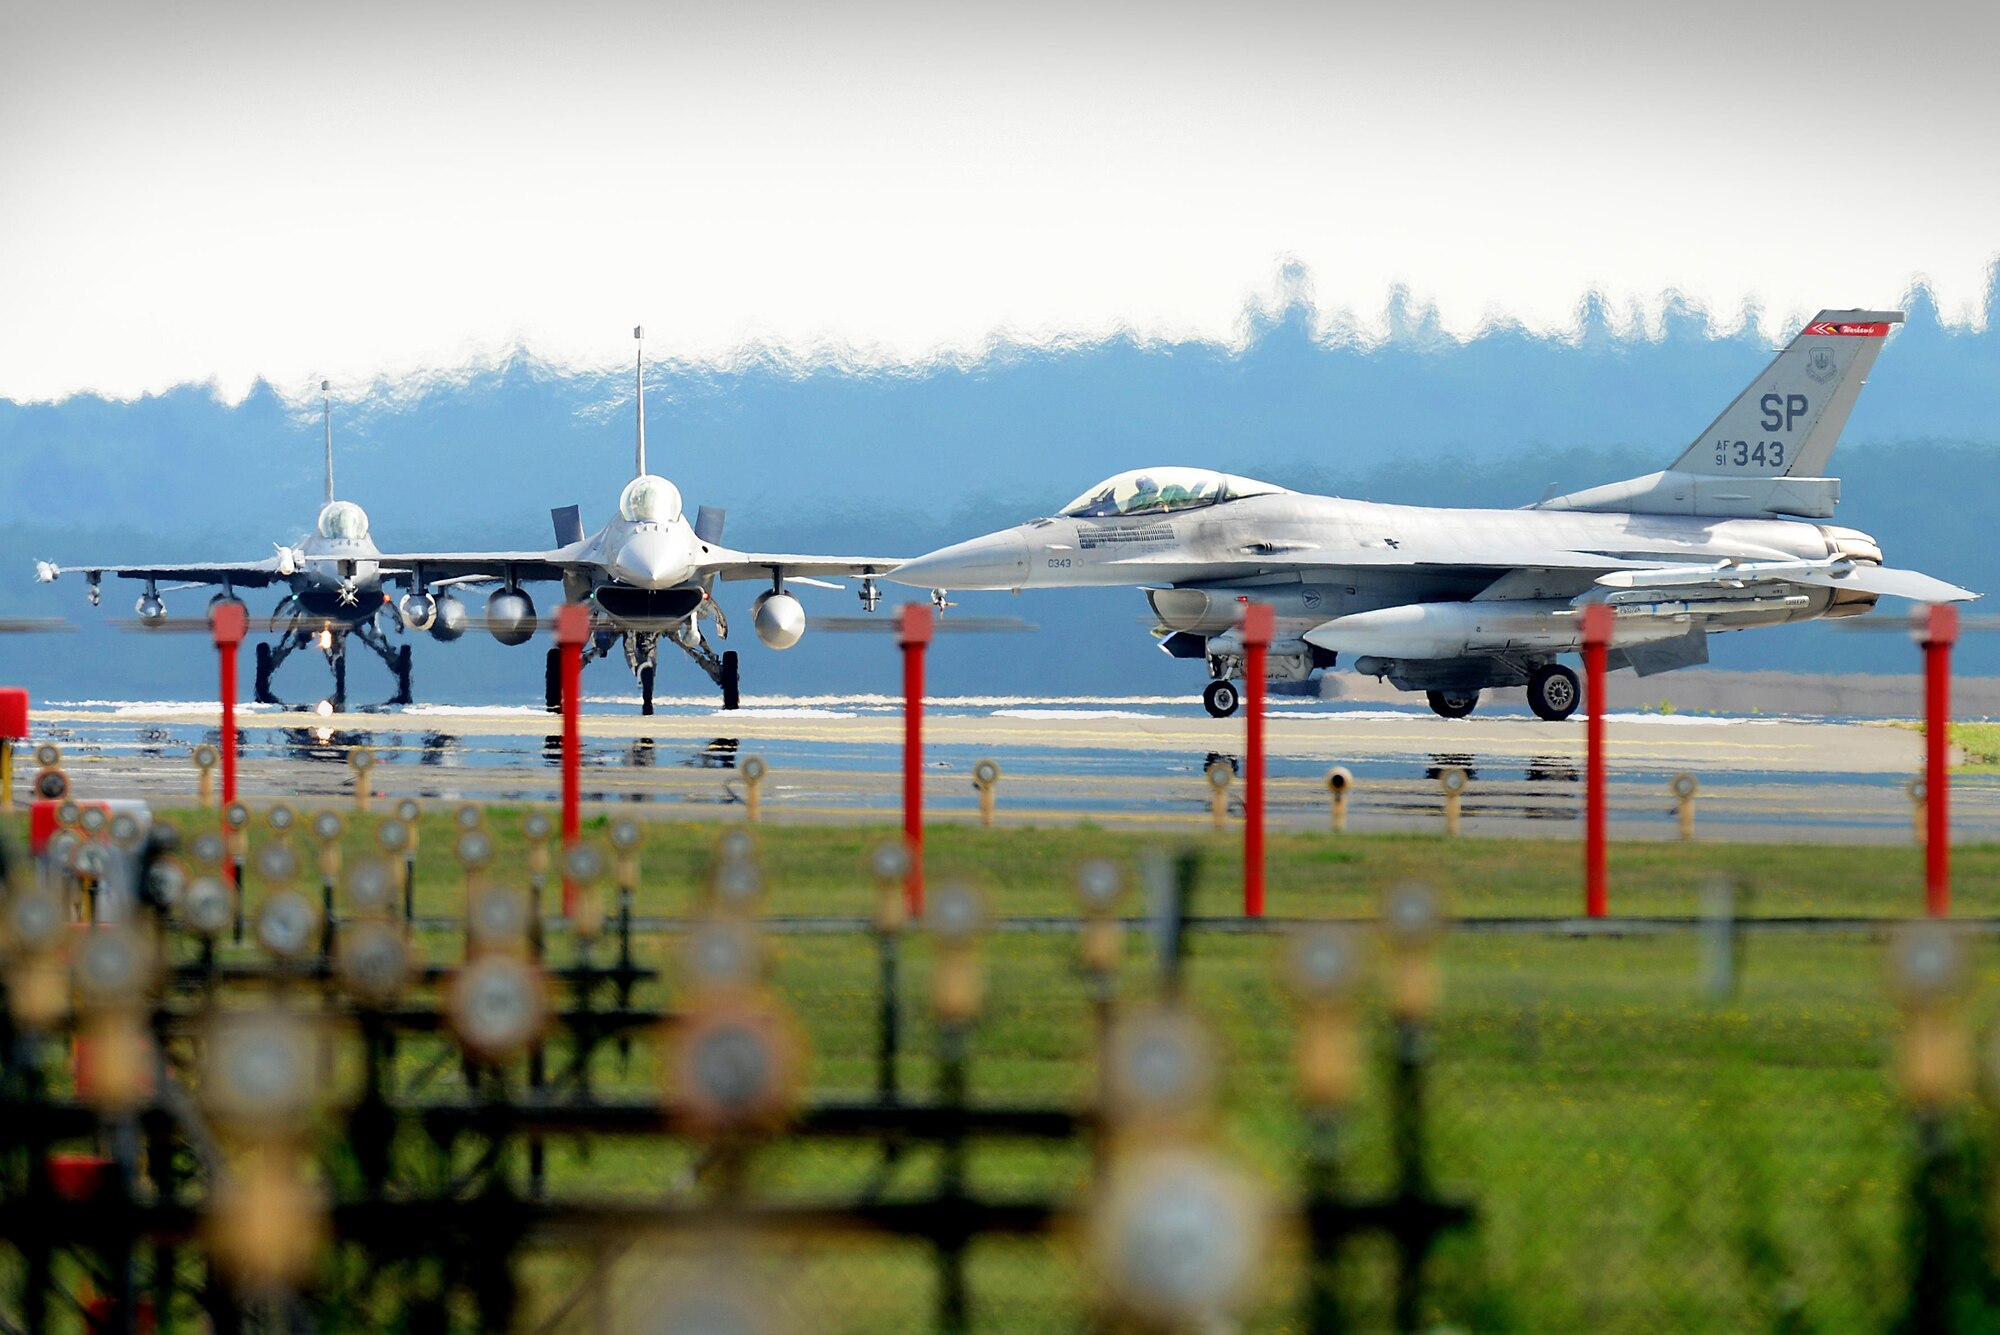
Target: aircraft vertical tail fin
1787	421
1767	454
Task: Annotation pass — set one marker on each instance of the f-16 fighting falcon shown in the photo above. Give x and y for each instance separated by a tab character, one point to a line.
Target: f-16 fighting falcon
334	585
647	574
1453	602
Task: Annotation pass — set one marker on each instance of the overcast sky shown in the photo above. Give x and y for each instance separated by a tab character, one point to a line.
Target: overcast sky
222	191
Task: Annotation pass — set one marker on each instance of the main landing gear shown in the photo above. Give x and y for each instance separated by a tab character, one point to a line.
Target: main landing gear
1220	697
332	641
1452	704
1553	692
642	655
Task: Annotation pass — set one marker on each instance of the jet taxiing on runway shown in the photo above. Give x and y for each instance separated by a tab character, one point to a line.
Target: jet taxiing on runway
1454	601
647	574
332	577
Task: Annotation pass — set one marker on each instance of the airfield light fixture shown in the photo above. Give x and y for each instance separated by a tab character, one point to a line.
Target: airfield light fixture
373	963
1178	1235
498	1006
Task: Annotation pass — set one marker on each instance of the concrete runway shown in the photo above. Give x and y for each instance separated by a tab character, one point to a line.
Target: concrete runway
1126	763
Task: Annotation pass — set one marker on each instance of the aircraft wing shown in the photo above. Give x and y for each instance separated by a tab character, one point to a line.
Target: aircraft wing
1833	573
541	566
763	565
239	574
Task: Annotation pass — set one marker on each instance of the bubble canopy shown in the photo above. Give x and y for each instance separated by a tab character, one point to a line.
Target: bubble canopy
1145	491
649	500
343	521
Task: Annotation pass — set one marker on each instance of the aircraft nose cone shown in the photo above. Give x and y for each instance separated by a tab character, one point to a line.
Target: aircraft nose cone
996	561
651	561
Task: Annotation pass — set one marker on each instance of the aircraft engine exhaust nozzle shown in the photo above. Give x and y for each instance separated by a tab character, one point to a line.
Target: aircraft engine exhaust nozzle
418	610
152	609
779	619
510	616
996	561
451	618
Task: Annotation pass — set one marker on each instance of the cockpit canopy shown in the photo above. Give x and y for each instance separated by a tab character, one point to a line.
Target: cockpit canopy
343	521
1145	491
649	500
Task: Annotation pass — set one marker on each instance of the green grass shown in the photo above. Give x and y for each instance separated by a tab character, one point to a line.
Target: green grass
1644	1156
1980	740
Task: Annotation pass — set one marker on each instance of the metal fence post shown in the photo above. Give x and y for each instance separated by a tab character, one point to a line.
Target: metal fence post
1597	618
913	633
228	622
1937	631
1259	623
572	629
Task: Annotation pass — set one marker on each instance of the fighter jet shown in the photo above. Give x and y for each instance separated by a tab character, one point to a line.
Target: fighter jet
648	575
1456	602
333	583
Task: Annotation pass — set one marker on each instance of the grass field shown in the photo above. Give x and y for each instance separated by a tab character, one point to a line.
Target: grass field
1644	1155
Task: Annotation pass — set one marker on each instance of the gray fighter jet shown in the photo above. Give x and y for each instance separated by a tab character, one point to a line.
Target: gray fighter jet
648	575
333	582
1452	602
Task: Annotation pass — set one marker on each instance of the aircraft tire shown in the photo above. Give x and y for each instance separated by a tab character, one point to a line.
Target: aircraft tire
552	682
263	694
1220	698
646	689
403	696
732	693
1554	692
1452	704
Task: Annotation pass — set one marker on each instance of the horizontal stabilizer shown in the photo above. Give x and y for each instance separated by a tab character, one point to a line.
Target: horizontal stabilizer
568	522
708	524
1893	583
1833	573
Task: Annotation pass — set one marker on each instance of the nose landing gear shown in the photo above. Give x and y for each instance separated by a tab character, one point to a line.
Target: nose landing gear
332	641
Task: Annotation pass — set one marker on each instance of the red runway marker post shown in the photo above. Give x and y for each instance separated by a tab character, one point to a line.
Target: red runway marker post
13	728
1937	630
913	633
229	623
1258	624
1597	619
572	631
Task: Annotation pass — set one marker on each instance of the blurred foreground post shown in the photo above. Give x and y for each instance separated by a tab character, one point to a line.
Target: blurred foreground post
572	629
913	633
1258	626
1596	642
228	622
13	728
1937	631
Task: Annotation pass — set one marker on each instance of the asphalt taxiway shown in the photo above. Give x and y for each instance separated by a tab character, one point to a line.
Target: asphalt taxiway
1128	763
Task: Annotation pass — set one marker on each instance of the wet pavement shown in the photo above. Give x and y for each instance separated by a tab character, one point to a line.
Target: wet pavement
1114	761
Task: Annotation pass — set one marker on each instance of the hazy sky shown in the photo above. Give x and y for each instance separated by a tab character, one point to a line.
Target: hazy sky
222	191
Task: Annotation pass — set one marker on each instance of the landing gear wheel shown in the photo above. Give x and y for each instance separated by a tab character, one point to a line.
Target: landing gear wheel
263	693
646	688
403	696
339	678
1220	698
732	696
1452	704
552	682
1553	692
